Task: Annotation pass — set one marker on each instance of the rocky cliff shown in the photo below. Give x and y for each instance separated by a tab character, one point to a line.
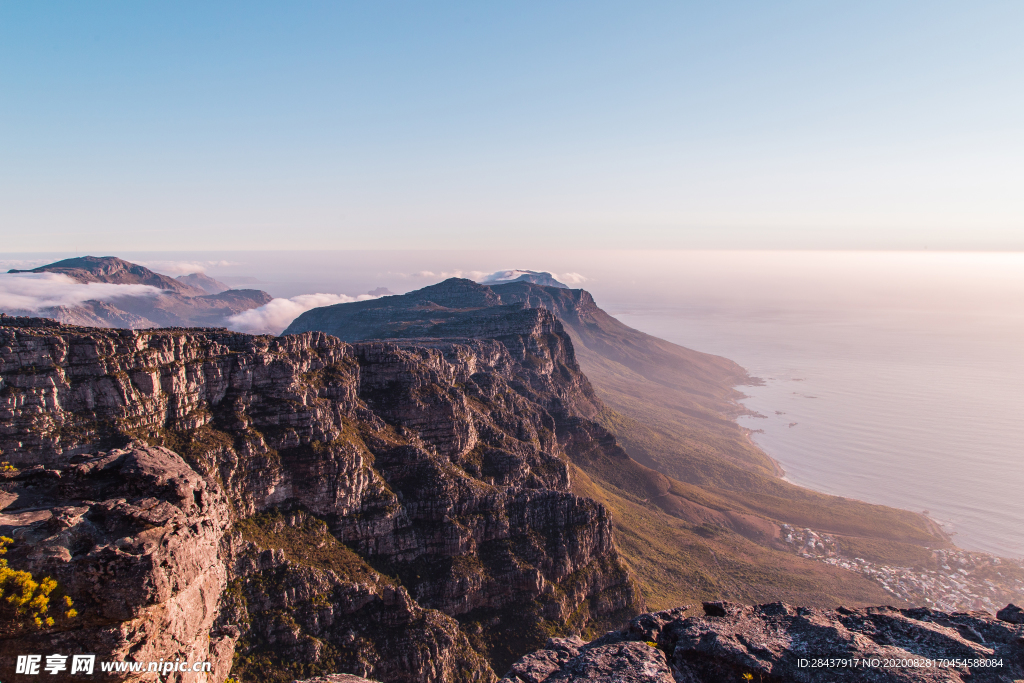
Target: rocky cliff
302	506
777	643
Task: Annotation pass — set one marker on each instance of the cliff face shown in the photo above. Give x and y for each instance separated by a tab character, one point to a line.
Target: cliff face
133	535
395	510
594	332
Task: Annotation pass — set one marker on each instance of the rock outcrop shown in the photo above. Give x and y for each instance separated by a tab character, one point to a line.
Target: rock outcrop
591	328
398	510
337	678
134	536
777	643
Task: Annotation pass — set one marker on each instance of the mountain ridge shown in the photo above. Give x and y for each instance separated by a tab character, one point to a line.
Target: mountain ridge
189	300
696	486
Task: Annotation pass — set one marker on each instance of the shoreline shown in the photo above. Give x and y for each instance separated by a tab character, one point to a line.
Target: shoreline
934	525
780	472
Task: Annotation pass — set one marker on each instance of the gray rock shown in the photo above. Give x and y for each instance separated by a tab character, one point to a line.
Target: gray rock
337	678
1012	614
134	536
776	642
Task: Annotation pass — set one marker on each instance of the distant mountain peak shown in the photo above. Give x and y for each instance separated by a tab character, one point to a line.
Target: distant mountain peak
204	282
188	301
116	271
516	275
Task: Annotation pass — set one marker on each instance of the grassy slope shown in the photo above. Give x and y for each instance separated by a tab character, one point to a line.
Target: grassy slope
701	523
680	563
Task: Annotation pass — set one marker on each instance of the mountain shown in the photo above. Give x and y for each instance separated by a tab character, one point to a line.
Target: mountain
700	512
203	282
113	270
190	300
442	506
298	506
531	276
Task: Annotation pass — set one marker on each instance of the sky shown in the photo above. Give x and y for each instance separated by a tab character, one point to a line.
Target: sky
197	126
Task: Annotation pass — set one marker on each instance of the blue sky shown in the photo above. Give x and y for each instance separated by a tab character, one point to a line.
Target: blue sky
206	126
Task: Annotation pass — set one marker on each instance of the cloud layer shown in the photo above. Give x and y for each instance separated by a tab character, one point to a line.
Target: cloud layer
33	292
497	276
183	267
274	317
508	275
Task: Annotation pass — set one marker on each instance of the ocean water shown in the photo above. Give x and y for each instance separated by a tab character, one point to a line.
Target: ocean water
892	377
913	401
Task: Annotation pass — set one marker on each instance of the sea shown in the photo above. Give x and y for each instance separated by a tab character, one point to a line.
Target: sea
892	377
895	379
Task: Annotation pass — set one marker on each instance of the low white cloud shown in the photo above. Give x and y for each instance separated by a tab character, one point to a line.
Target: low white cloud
33	292
504	275
183	267
275	316
500	276
571	278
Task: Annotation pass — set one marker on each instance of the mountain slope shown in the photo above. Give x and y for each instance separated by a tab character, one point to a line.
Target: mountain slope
696	493
203	282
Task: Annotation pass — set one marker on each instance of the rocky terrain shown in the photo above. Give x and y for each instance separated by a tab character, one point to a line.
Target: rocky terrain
777	643
189	300
425	499
296	507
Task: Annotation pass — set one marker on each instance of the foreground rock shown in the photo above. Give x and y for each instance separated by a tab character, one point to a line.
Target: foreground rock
777	643
134	535
337	678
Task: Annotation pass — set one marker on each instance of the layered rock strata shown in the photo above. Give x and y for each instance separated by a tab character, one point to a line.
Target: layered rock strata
777	643
433	471
134	536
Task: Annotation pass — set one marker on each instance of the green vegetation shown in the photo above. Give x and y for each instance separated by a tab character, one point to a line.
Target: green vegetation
307	541
676	563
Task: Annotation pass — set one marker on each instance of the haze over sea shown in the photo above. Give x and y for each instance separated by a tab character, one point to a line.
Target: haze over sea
892	377
895	379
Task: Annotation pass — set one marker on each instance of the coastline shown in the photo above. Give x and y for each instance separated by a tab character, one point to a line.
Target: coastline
933	525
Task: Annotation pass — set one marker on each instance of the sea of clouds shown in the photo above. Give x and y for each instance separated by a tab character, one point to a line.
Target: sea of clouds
32	293
35	292
275	316
497	276
176	268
